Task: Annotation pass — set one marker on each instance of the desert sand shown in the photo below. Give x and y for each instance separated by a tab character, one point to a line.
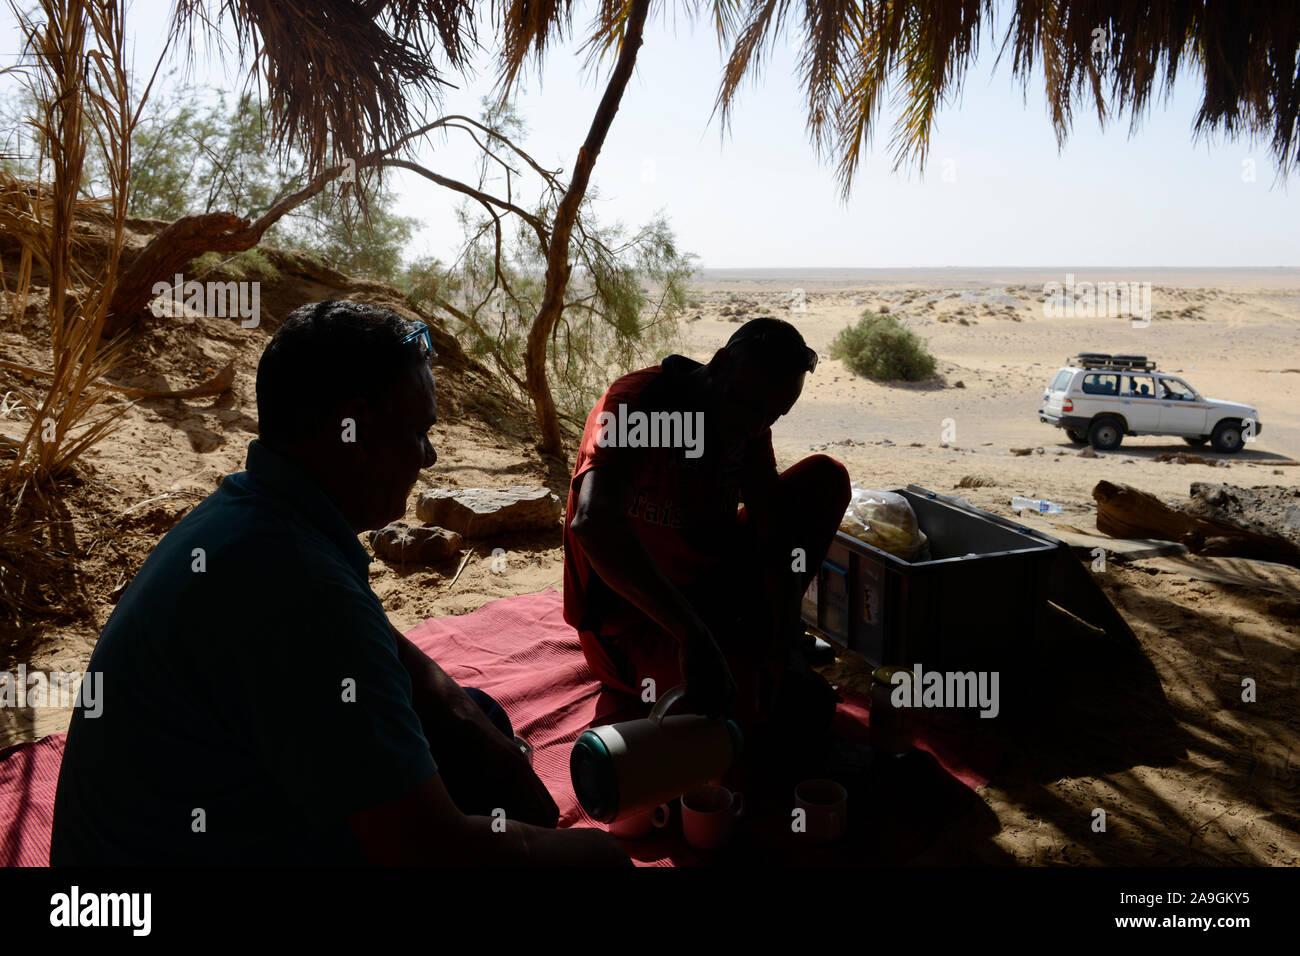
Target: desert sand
1189	774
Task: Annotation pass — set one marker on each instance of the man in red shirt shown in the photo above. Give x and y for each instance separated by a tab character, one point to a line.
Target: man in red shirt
666	577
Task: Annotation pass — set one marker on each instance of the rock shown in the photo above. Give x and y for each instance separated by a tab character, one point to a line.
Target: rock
959	384
1088	452
421	545
1187	458
1021	451
975	481
1291	519
486	512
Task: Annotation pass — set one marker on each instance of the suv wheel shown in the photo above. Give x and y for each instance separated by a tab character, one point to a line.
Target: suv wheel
1197	441
1227	436
1104	434
1076	436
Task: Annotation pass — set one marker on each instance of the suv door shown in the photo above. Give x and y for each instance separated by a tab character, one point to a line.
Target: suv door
1098	393
1182	411
1139	403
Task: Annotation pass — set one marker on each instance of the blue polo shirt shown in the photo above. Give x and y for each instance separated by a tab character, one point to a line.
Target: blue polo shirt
252	697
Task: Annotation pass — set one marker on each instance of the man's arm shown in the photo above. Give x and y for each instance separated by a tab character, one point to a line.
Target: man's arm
760	492
465	739
424	828
601	526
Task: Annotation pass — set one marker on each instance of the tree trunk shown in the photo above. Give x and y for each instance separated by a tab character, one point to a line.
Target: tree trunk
557	253
1126	512
190	236
166	254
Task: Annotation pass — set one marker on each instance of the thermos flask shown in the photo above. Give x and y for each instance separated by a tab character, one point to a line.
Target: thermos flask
621	769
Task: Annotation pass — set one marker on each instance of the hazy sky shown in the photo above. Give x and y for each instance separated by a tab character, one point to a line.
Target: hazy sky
759	197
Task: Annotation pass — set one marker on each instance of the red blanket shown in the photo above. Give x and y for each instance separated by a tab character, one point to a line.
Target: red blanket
521	652
28	775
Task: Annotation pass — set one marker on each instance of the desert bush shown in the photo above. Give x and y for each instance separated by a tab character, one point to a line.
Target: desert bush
880	348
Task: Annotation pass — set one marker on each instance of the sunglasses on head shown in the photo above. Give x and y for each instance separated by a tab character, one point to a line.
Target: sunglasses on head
420	333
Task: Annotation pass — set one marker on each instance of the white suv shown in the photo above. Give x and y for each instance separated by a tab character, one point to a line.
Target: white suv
1098	399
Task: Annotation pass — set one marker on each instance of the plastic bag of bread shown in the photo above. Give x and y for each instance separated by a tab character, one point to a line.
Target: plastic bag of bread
885	520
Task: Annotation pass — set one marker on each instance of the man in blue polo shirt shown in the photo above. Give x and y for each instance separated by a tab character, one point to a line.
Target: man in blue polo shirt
258	706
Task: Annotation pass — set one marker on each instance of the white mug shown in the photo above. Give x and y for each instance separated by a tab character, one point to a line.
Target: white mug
709	816
638	825
825	807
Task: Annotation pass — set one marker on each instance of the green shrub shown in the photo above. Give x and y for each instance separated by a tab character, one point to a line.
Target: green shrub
246	265
879	347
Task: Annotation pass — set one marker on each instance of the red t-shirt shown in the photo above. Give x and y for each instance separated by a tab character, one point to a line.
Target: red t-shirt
686	490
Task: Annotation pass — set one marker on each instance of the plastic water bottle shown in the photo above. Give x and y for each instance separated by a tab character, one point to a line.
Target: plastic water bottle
1035	504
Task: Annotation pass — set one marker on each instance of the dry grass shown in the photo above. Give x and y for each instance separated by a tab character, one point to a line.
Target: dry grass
78	75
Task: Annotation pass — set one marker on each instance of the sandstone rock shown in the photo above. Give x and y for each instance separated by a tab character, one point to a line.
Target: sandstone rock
1088	452
485	512
976	481
407	545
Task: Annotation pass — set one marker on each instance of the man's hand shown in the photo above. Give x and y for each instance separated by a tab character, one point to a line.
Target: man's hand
423	827
710	688
523	795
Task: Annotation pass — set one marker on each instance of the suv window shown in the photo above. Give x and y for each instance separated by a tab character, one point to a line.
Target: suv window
1096	384
1062	381
1177	390
1139	386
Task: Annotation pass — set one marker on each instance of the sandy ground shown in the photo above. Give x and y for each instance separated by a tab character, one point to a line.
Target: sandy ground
1187	772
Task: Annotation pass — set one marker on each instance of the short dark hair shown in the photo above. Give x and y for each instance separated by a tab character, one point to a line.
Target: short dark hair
774	343
324	355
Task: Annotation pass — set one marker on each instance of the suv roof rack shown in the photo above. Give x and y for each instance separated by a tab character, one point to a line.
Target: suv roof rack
1102	360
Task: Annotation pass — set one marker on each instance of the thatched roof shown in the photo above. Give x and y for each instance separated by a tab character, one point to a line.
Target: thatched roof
361	69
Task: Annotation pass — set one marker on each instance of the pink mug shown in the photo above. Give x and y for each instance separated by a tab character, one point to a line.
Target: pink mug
709	816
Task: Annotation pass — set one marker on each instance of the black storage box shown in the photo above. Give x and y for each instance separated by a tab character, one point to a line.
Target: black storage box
976	605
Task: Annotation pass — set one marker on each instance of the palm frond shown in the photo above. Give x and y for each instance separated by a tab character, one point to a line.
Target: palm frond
343	78
1110	56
